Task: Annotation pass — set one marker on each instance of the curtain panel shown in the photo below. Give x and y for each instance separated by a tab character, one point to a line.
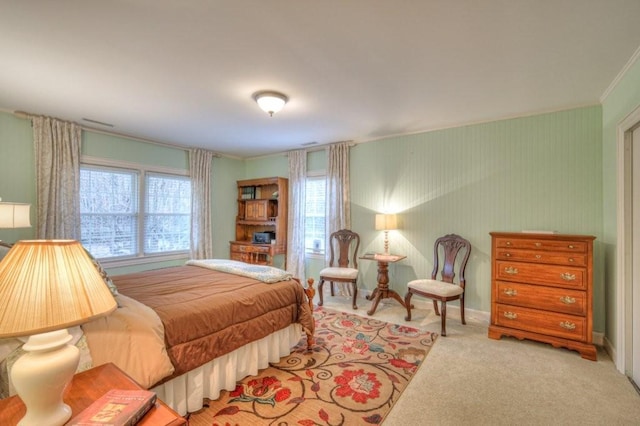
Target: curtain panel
338	188
200	166
296	219
57	147
338	197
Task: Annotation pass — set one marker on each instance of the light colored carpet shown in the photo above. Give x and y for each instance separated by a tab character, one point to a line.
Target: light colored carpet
470	379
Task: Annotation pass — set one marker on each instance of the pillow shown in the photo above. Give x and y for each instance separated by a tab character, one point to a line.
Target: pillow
105	276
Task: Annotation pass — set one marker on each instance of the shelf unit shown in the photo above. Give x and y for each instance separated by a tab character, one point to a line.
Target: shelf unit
262	207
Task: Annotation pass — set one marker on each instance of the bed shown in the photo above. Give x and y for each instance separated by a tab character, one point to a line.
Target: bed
187	332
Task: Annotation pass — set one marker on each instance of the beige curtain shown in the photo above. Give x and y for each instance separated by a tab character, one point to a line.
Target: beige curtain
338	196
200	164
57	151
338	190
296	219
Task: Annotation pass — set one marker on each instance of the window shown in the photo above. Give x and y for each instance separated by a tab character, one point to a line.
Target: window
314	234
134	213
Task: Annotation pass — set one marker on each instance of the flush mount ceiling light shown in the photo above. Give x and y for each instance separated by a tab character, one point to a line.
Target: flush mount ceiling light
270	102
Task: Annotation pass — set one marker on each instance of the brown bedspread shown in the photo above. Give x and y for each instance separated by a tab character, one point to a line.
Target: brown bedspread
208	313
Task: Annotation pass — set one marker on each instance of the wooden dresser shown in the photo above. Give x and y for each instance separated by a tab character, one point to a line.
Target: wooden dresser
541	289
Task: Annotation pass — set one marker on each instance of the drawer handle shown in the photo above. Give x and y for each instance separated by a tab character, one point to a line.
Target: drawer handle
571	259
568	325
538	256
510	315
567	300
511	270
568	277
510	292
571	246
508	243
507	254
538	244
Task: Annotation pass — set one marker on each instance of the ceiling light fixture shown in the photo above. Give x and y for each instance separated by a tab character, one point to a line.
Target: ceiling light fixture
270	102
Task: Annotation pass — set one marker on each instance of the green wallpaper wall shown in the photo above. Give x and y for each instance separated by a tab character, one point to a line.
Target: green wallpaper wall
623	100
533	173
17	170
539	172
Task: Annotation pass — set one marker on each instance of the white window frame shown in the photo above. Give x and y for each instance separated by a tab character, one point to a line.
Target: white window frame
139	258
321	254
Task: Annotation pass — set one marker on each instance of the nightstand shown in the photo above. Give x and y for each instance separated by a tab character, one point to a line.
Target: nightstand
88	386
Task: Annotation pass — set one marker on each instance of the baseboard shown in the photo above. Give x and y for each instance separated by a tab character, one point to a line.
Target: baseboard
611	350
481	317
597	338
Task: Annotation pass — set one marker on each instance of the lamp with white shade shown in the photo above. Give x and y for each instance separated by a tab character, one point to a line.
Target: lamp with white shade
386	223
47	286
15	215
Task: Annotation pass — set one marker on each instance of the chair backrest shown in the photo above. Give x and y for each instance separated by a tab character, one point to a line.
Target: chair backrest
344	253
451	245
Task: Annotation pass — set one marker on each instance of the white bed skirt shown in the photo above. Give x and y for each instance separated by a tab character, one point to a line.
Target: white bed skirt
185	393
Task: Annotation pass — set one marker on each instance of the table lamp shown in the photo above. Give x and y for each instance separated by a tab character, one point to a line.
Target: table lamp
45	287
14	215
386	223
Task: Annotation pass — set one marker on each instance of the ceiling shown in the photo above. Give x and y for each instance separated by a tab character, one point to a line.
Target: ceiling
184	72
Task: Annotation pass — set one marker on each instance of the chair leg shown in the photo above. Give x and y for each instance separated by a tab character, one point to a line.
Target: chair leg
355	294
332	290
407	303
443	318
435	307
320	292
462	309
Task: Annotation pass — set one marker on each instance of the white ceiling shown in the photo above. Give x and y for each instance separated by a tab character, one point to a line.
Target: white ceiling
184	72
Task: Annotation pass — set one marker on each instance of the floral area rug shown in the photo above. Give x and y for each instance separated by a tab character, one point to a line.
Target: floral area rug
356	371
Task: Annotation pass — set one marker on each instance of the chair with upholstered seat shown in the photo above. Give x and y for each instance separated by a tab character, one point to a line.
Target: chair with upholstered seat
447	249
343	263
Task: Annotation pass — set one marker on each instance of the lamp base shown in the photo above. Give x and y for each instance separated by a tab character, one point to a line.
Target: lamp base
41	375
386	243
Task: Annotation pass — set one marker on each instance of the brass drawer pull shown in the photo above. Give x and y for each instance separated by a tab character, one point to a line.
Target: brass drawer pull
508	243
510	315
567	300
511	270
571	259
538	244
568	325
571	246
568	277
538	256
510	292
507	254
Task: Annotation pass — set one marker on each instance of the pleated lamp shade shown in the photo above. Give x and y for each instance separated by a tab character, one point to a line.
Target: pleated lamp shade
47	285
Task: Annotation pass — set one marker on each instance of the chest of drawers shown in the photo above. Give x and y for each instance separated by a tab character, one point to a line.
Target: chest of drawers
541	289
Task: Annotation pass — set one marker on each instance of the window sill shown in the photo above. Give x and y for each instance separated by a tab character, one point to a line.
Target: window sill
117	263
314	256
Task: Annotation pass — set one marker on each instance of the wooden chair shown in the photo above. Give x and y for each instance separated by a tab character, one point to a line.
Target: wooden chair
343	263
444	289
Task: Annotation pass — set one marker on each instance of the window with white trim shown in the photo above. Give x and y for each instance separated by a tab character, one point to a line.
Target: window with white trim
315	213
128	213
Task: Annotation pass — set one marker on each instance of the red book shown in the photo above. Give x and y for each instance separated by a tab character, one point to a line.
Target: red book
116	408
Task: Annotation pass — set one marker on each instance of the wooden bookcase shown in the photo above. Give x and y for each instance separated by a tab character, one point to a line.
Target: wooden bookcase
262	207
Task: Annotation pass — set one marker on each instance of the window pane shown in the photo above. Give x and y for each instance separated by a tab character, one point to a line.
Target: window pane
167	222
108	211
314	236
